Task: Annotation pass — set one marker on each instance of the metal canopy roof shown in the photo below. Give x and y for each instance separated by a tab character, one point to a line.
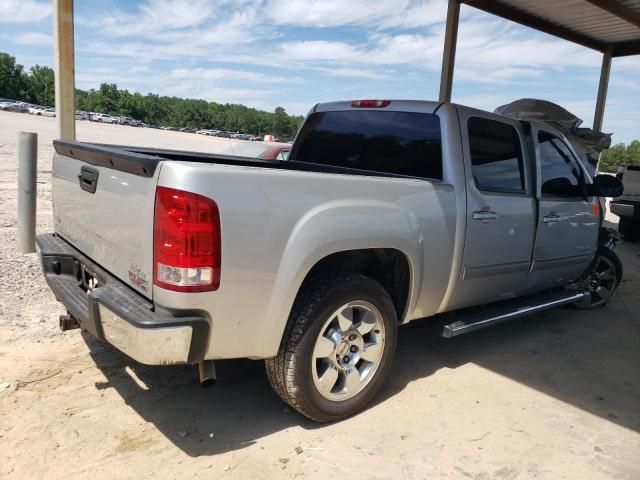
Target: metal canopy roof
611	26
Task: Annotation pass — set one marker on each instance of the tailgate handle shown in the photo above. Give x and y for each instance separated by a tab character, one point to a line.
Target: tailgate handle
88	179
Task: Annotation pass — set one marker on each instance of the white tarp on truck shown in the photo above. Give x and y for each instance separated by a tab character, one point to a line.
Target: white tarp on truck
587	142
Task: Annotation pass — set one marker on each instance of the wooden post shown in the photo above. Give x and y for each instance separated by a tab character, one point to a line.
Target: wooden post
449	53
602	91
64	69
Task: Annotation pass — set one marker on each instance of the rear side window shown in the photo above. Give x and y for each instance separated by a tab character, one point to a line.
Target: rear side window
496	156
400	143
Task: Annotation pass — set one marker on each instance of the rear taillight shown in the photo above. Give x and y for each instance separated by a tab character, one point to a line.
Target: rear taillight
370	103
186	237
620	174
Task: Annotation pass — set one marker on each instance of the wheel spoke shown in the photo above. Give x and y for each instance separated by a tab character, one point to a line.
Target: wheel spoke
371	352
324	347
367	323
335	336
328	380
352	380
603	292
345	319
606	275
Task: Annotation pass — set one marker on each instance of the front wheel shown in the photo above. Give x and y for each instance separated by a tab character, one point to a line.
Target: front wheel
603	279
337	349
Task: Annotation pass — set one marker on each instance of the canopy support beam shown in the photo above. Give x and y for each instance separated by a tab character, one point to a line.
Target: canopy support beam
602	91
64	69
449	52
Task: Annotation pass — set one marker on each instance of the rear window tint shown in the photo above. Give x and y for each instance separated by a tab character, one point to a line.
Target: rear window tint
496	156
401	143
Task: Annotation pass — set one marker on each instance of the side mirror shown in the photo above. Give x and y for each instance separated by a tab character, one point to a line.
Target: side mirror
558	187
605	186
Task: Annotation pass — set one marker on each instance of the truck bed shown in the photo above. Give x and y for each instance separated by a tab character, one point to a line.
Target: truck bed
143	161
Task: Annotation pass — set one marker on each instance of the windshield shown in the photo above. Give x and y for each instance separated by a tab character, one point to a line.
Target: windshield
403	143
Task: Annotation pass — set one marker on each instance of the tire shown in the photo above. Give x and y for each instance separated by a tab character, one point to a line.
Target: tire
601	282
99	120
629	228
319	318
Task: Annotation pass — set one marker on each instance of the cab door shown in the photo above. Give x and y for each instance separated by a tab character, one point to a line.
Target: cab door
500	226
569	222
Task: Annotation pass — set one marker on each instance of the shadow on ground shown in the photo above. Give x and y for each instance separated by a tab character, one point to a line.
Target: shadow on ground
590	360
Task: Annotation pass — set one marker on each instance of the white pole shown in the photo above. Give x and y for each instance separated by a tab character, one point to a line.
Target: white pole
64	69
27	174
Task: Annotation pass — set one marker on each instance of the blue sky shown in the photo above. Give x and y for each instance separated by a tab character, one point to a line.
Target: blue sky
295	53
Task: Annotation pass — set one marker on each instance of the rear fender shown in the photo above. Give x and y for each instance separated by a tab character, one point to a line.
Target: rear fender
333	228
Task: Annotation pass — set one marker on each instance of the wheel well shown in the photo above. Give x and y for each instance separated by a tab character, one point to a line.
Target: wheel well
388	266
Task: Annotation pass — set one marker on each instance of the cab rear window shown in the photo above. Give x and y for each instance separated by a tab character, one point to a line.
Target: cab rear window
401	143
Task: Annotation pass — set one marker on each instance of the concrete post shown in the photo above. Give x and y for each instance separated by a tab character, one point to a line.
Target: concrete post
602	91
449	53
27	175
64	69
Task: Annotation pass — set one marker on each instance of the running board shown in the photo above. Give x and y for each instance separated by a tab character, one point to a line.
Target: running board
471	321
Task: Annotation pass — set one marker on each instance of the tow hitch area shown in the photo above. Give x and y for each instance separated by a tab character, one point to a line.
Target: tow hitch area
68	322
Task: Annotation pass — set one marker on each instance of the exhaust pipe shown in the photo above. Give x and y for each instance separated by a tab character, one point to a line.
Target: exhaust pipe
68	322
207	371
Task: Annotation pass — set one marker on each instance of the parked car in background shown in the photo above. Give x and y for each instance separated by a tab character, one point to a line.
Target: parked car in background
80	115
48	112
188	130
129	121
9	106
223	134
627	206
104	118
245	136
266	150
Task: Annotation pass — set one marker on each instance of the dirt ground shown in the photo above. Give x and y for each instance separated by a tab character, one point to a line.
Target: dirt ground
555	396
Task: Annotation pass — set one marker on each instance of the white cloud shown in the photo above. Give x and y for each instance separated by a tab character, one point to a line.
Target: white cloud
377	14
226	74
36	39
352	72
24	11
154	16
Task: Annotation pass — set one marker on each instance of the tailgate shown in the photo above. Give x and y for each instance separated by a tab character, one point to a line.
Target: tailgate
103	203
631	182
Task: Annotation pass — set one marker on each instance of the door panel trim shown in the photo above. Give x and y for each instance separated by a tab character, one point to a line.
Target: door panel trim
491	270
560	262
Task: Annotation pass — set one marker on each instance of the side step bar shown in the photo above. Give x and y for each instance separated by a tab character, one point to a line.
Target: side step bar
468	322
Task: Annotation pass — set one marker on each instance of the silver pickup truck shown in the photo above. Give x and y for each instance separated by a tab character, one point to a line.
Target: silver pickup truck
385	212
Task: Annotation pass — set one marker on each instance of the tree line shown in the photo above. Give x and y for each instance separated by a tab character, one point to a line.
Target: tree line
619	155
37	86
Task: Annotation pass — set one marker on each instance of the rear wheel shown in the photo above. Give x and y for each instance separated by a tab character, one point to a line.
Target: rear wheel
602	281
337	349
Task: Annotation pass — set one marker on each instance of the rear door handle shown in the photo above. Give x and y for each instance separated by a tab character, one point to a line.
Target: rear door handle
553	218
484	215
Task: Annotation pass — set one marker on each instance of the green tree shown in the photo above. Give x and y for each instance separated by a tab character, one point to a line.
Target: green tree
281	126
41	86
619	155
38	87
13	80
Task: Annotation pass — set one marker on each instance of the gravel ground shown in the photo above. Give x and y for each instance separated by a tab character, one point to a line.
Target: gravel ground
555	396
